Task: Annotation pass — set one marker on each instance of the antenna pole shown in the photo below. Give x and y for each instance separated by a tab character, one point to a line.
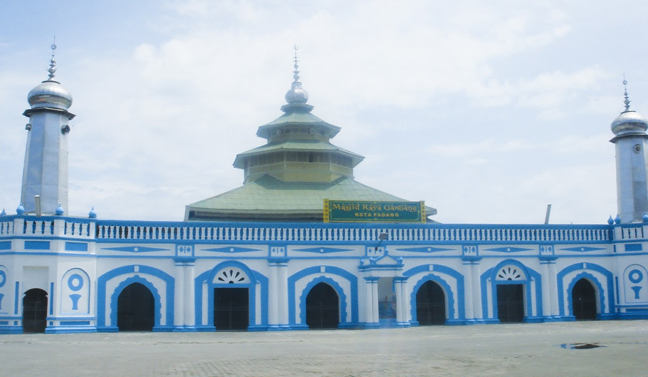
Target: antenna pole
548	214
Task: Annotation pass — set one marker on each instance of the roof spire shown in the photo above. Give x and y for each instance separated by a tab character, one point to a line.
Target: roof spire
296	94
625	94
52	67
296	71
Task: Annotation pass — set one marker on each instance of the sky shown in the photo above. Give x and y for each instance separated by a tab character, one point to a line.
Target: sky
487	111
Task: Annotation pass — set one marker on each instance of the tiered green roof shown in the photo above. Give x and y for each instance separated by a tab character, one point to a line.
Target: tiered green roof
289	178
270	199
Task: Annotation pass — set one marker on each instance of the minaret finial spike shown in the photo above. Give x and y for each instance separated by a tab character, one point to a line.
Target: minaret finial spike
52	67
625	94
296	71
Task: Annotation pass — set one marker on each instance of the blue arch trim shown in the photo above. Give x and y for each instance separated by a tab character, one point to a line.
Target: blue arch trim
114	298
255	278
143	270
340	292
592	267
529	274
450	295
316	270
447	291
593	280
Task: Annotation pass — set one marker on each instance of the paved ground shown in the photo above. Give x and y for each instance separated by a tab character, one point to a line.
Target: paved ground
483	350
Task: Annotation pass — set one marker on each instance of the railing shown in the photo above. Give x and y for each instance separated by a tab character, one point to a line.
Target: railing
47	226
6	228
115	230
280	232
629	232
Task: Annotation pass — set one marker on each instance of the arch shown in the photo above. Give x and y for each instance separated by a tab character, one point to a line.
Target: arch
139	271
526	276
431	308
136	308
598	290
213	278
210	278
584	299
455	316
510	272
114	299
34	318
321	270
447	291
342	305
605	302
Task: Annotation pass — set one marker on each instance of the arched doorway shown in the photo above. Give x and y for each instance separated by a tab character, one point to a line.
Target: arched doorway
430	304
584	300
231	308
35	311
510	302
322	307
135	309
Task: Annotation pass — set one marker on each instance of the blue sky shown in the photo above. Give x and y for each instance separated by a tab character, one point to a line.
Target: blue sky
488	112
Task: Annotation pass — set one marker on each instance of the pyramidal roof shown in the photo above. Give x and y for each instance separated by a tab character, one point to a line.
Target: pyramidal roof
289	177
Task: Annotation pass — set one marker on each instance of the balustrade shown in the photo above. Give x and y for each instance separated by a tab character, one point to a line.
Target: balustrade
242	232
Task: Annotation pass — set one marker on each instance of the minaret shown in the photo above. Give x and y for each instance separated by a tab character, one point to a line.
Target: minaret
45	172
629	129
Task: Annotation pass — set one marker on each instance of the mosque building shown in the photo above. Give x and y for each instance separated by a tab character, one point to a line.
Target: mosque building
303	245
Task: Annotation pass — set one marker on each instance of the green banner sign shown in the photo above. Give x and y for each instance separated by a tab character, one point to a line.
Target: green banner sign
355	211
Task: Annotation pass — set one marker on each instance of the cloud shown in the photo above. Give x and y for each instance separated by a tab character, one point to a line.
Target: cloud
473	107
554	93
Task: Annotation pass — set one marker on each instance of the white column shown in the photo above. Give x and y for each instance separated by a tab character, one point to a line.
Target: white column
190	295
553	289
476	290
374	301
178	306
405	303
282	287
399	299
273	300
468	290
369	312
546	290
402	302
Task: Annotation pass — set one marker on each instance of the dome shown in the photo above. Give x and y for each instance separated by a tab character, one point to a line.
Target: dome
296	94
50	93
629	122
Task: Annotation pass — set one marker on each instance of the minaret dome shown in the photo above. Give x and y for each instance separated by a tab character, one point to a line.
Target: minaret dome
629	122
50	93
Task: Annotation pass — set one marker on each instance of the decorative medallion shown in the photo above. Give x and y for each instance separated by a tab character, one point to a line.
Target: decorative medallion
231	275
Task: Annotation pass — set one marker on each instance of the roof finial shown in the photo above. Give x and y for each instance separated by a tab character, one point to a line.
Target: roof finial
296	71
296	94
625	94
52	67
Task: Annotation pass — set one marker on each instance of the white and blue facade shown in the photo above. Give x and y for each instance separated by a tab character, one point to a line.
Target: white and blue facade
83	265
67	274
